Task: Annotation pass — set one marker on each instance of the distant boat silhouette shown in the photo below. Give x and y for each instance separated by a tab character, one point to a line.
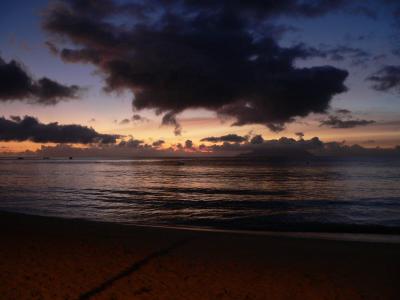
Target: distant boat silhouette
46	157
70	157
20	158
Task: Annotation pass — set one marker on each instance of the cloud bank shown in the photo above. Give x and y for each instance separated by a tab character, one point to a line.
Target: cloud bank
253	147
30	129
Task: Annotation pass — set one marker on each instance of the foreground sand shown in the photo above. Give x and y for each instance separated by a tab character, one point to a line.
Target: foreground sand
46	258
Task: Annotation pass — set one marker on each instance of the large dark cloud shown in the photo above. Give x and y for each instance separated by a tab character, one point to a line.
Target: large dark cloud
386	79
17	84
180	54
30	129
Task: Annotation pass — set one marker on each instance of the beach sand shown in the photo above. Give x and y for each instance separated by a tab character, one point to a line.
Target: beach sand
49	258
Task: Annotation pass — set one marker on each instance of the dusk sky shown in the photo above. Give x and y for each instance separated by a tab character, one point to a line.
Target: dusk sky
178	71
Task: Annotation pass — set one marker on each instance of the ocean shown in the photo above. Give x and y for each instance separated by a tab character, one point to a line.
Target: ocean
320	195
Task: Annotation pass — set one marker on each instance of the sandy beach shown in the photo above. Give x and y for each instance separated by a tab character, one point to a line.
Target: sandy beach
49	258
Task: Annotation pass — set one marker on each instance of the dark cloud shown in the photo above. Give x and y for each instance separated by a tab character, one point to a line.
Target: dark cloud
53	48
338	122
124	122
356	56
234	138
177	55
30	129
342	111
17	84
386	79
369	142
257	139
300	135
139	118
131	143
170	119
188	144
341	52
136	117
16	118
158	143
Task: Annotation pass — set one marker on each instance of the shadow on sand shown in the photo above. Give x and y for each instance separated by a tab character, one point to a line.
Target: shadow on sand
131	269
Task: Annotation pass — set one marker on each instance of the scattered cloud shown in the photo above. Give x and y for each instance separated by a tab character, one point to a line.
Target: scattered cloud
339	122
386	79
356	56
139	119
16	84
124	122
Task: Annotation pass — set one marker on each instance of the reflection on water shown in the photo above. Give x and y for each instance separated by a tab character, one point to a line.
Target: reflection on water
348	195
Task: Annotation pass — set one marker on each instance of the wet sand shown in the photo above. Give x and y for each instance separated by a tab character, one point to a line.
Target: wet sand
49	258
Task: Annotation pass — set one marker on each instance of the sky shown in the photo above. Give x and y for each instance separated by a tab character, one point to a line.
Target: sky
108	73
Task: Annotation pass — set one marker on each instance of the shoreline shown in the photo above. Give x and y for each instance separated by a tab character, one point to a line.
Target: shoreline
356	236
54	258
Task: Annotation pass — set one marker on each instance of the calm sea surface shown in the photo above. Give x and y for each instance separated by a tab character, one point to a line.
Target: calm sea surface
352	195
